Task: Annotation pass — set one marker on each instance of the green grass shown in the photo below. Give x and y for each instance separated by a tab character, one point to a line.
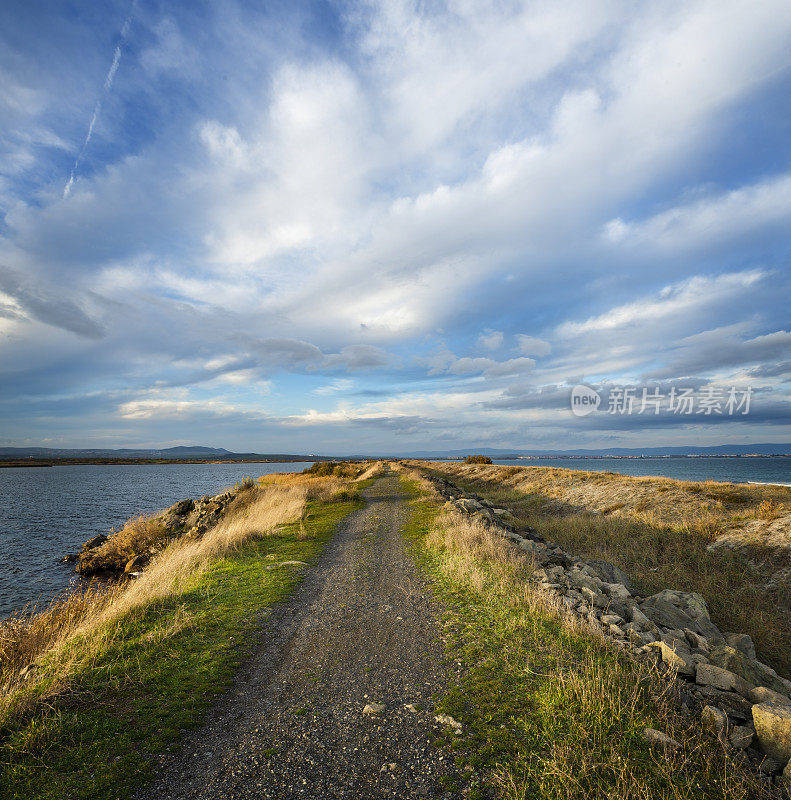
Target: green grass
550	711
101	737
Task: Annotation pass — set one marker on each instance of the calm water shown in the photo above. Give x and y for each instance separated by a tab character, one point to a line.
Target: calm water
738	470
46	512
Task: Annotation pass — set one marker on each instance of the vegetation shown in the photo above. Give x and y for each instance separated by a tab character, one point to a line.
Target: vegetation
550	709
477	460
591	515
113	676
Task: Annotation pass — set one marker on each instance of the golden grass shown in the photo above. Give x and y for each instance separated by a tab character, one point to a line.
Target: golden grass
655	500
29	640
655	553
595	691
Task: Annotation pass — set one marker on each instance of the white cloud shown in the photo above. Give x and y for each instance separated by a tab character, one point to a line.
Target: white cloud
718	219
680	298
533	346
490	339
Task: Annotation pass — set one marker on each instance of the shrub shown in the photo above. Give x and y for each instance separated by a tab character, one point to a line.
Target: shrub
477	460
768	509
243	485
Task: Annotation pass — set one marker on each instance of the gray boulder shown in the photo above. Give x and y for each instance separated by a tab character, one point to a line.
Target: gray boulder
672	609
609	573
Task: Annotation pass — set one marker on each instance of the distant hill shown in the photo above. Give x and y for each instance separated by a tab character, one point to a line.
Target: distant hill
717	450
176	453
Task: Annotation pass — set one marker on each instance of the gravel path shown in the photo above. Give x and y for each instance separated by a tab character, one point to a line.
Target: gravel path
359	630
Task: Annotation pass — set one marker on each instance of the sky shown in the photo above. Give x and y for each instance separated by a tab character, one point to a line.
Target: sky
346	227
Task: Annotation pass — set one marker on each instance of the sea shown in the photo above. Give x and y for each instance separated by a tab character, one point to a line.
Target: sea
742	469
46	512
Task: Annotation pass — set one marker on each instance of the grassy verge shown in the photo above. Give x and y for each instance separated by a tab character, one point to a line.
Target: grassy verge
156	672
656	555
549	709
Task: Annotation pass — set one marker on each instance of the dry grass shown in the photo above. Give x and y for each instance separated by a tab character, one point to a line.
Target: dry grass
655	554
587	704
657	500
94	615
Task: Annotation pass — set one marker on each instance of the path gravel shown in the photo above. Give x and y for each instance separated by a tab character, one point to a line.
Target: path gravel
359	631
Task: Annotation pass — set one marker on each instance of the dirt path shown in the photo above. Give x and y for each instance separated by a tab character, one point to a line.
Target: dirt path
359	630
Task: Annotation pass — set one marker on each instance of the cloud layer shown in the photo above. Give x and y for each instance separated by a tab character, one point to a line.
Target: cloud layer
391	225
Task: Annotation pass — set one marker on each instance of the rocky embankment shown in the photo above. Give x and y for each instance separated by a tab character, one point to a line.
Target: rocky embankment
716	673
128	551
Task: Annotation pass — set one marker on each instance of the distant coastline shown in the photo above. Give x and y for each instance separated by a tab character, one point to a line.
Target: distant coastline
57	462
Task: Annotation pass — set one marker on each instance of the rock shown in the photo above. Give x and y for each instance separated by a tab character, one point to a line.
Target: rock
741	737
695	640
609	573
581	580
742	642
734	705
715	721
447	719
617	591
137	563
676	656
752	671
411	707
373	708
653	736
719	678
773	728
769	766
672	609
763	695
641	621
182	508
69	558
92	544
611	619
786	776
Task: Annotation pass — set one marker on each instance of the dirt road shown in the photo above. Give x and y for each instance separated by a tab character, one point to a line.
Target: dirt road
360	630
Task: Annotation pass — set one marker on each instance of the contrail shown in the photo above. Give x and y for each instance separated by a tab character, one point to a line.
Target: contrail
108	84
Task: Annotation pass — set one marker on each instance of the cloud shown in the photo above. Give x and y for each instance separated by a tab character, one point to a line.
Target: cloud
50	306
532	346
681	298
490	339
390	190
719	218
355	357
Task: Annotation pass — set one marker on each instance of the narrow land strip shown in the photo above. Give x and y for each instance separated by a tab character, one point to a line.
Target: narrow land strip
359	632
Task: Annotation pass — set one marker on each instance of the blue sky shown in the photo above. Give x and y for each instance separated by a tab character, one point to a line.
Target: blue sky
345	227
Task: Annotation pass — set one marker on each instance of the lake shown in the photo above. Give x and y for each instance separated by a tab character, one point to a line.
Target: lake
744	469
46	512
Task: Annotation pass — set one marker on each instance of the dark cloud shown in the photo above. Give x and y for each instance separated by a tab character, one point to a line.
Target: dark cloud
49	305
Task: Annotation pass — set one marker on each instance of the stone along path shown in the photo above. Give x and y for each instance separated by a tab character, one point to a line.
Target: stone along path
359	632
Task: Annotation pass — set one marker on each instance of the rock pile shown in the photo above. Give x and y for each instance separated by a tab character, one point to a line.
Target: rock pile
741	700
109	557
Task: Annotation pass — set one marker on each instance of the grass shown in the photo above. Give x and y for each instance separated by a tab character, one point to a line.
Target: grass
549	708
655	553
138	669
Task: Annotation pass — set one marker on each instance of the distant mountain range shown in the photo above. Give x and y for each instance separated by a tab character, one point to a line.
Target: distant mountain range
198	452
182	452
717	450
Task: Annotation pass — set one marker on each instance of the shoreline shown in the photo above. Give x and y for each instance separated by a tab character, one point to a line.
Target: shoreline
103	462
